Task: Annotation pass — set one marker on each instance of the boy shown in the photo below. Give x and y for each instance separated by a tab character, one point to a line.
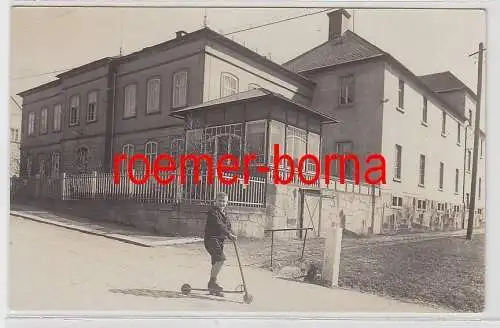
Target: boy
217	228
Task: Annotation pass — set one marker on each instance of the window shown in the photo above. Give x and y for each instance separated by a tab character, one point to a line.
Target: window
457	175
296	141
225	139
229	85
41	167
345	148
74	110
82	160
253	86
153	96
92	106
177	146
43	120
29	166
397	162
255	140
346	89
14	134
397	201
276	137
151	151
441	175
129	151
481	150
401	94
443	124
421	204
424	110
459	131
55	164
179	91
467	200
57	117
479	189
469	154
470	117
129	103
31	124
313	144
421	180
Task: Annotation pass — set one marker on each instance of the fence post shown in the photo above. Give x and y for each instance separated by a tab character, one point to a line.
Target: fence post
63	186
94	184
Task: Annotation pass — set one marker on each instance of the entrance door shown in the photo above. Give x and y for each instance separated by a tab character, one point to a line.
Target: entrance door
310	208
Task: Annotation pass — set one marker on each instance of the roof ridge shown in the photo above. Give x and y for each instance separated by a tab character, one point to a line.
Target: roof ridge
360	38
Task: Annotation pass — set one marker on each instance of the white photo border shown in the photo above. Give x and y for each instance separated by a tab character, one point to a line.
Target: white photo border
489	318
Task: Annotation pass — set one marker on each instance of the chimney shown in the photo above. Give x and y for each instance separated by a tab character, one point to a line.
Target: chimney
180	34
338	23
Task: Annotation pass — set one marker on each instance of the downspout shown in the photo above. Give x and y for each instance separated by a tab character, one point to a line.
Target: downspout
110	118
113	118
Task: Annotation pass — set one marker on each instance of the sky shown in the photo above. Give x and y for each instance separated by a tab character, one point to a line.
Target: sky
46	41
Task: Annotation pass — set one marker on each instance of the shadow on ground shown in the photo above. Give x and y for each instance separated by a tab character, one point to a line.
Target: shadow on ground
156	293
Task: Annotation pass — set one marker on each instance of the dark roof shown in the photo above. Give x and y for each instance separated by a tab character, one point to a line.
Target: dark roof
41	87
70	72
353	48
215	36
348	48
253	94
86	67
190	37
444	82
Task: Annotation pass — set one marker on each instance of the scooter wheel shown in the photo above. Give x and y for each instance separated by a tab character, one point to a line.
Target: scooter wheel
248	298
186	289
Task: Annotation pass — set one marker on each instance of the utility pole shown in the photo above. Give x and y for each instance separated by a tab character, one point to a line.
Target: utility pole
470	223
463	175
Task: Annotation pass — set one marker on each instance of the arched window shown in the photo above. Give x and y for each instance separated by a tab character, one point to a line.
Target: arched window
82	159
151	152
229	84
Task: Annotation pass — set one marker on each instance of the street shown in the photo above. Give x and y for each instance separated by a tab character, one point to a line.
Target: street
54	269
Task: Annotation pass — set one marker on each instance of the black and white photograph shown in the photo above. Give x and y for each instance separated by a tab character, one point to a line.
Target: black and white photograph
319	160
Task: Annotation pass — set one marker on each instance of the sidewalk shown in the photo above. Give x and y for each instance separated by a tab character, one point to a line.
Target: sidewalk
105	229
133	236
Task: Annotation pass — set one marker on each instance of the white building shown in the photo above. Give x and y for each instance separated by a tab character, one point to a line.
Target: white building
385	108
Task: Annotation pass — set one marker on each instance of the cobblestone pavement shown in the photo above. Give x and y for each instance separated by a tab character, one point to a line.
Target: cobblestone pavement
56	269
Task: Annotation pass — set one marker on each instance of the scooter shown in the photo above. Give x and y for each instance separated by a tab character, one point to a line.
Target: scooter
247	298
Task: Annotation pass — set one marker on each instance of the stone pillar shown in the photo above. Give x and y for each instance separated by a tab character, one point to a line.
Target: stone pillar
331	259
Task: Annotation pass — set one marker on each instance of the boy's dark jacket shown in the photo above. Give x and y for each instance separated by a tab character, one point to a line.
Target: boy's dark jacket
217	225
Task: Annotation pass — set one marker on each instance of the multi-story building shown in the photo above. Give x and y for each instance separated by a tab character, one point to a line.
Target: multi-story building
385	108
461	96
77	122
15	139
123	104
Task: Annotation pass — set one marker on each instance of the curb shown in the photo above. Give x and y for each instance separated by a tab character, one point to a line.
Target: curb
122	238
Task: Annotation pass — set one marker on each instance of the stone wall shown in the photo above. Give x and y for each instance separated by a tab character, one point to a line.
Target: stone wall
164	219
